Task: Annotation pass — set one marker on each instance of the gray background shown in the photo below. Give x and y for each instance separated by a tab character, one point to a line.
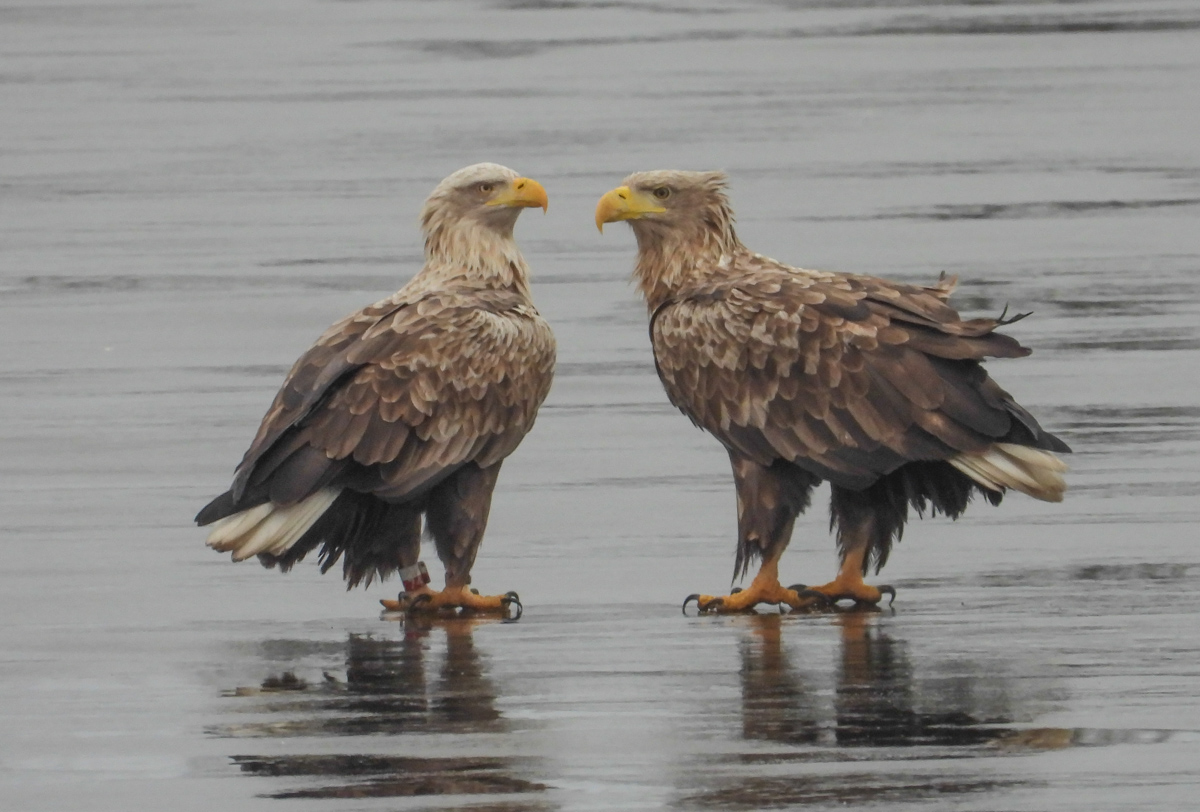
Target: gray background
191	192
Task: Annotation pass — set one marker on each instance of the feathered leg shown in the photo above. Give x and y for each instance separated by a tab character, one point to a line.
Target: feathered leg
867	523
456	515
769	500
388	541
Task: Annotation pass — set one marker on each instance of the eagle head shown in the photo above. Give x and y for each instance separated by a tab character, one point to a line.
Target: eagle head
486	194
667	200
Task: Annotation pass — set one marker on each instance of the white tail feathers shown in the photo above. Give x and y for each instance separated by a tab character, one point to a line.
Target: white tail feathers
269	528
1006	465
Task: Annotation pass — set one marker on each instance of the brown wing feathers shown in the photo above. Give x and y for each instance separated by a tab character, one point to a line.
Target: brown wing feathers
849	377
388	412
337	354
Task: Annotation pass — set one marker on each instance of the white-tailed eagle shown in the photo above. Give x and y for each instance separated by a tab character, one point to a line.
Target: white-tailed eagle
804	376
402	413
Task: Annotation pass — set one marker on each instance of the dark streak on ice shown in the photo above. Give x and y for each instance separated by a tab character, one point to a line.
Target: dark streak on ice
1028	210
1002	25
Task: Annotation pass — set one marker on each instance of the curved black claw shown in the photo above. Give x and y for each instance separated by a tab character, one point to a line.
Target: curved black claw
819	597
701	608
417	601
513	599
888	590
786	607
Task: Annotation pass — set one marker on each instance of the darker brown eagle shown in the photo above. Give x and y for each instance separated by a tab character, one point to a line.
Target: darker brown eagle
804	376
405	410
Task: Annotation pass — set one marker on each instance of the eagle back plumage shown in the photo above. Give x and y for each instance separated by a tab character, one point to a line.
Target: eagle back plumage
408	389
846	376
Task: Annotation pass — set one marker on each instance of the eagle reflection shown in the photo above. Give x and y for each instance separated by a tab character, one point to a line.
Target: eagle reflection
876	710
392	687
875	699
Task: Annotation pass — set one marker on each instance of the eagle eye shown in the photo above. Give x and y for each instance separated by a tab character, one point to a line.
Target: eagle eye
662	192
486	188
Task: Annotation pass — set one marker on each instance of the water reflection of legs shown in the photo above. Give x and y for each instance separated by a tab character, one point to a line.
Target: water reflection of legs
876	700
868	710
395	688
776	703
465	696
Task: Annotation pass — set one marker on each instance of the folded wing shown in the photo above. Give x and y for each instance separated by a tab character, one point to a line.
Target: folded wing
394	399
847	377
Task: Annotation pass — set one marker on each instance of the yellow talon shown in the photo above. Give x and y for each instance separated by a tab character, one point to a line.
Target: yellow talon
426	600
849	583
765	588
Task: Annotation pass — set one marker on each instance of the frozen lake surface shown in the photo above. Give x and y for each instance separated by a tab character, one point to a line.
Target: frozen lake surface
192	192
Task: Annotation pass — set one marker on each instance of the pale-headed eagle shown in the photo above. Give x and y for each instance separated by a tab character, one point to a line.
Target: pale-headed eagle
405	410
805	376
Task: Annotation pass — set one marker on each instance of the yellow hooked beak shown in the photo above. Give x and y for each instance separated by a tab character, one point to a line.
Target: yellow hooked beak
624	203
523	193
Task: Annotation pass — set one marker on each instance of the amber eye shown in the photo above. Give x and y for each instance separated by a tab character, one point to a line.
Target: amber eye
662	192
487	188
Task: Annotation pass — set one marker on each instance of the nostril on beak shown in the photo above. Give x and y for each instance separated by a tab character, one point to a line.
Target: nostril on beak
521	185
622	197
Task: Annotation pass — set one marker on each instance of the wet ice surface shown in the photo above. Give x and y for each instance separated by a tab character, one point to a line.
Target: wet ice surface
192	192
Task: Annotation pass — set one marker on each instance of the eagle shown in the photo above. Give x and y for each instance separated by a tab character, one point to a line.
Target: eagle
807	376
402	413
